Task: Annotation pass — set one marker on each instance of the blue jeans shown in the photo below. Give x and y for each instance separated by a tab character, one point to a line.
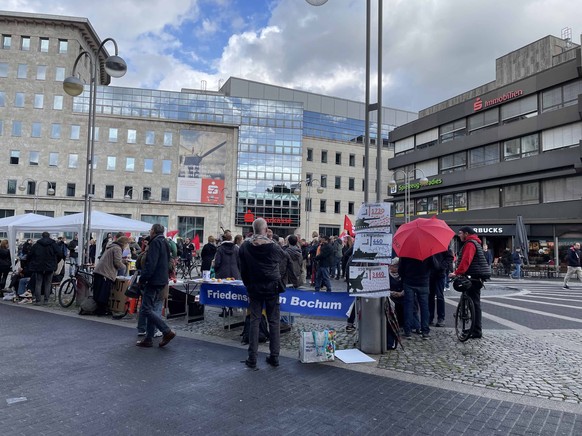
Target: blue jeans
150	296
322	279
420	294
22	285
517	273
142	322
437	288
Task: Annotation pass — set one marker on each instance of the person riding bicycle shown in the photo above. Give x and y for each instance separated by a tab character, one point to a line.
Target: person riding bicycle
474	264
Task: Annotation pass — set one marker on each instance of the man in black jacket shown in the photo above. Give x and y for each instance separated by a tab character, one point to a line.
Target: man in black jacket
325	260
154	278
442	266
259	261
42	262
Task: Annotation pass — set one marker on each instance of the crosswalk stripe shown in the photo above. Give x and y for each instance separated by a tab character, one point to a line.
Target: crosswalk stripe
538	312
545	303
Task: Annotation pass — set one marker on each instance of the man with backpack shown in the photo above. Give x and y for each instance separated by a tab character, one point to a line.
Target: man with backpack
574	268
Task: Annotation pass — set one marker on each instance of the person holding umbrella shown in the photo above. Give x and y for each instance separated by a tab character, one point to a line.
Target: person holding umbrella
473	264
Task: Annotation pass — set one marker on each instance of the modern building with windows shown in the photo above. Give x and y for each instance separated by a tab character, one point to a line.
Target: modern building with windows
509	147
194	160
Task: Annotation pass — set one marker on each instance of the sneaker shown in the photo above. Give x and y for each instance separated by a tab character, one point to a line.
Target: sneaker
565	287
407	336
157	334
447	289
25	301
417	331
425	336
350	328
27	294
440	323
141	333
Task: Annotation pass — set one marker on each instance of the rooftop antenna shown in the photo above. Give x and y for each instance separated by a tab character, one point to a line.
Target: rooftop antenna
567	36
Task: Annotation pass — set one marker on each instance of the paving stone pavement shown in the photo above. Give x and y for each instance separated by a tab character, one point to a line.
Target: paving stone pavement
77	377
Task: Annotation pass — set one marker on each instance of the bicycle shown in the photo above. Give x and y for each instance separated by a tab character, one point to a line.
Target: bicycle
78	279
184	269
465	313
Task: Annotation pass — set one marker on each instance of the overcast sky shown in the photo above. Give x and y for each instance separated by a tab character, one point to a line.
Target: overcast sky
433	49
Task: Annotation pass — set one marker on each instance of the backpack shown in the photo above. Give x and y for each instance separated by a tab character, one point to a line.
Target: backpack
173	253
263	330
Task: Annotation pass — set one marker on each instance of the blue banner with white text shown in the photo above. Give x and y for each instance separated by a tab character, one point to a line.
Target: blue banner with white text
332	304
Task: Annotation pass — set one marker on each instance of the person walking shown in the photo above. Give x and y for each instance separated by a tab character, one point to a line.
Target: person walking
473	264
516	259
259	261
154	278
42	261
574	266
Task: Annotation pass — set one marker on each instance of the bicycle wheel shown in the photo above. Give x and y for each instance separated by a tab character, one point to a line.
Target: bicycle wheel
464	318
67	292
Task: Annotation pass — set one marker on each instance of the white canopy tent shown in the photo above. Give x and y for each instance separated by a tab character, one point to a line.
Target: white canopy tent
11	226
100	222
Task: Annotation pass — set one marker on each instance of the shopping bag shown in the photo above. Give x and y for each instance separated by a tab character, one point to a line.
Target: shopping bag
317	346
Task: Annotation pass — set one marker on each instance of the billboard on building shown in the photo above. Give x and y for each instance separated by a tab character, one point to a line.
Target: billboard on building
202	164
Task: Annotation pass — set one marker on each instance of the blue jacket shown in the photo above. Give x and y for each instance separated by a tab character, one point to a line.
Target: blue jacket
516	258
155	271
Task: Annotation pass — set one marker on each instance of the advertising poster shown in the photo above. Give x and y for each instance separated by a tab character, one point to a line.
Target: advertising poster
373	247
373	216
367	279
202	161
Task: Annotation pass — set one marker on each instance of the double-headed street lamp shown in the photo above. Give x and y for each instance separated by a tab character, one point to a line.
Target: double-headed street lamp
408	176
115	67
145	196
50	190
308	203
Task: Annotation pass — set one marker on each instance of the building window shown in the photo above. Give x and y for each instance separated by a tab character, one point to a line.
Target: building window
456	202
25	43
41	72
35	132
427	205
31	187
14	157
19	99
483	120
111	162
75	131
130	164
322	205
352	162
337	207
3	69
521	147
148	165
190	226
519	194
338	182
484	199
63	46
73	160
350	208
163	220
1	127
482	156
6	42
451	131
70	189
563	136
43	45
2	99
128	192
352	184
33	158
53	186
96	134
60	74
38	101
109	191
168	139
58	102
55	131
310	155
22	71
562	189
453	162
146	193
338	158
150	137
323	156
561	96
53	159
113	134
166	167
165	194
11	188
16	128
323	181
131	136
523	108
308	202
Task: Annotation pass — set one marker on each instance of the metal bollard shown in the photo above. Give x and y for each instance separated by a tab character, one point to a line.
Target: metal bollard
372	325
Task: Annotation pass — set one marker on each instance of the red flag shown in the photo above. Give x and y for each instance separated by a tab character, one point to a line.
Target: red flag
172	233
349	226
196	242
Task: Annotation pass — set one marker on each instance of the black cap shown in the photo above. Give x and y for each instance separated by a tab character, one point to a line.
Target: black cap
467	229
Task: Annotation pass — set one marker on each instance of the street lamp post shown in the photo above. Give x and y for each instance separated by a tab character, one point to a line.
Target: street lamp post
115	67
408	176
128	195
50	190
308	200
222	206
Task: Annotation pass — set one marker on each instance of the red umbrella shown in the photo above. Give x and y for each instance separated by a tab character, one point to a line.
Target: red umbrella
422	238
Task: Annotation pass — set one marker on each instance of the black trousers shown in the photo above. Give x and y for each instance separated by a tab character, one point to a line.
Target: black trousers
474	294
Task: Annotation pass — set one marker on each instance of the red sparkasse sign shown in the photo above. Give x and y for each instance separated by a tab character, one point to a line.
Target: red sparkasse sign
480	104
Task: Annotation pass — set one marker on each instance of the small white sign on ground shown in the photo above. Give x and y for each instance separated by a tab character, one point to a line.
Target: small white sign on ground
353	356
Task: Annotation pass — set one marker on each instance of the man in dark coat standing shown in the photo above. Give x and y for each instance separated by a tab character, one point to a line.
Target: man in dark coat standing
42	262
154	278
326	260
259	261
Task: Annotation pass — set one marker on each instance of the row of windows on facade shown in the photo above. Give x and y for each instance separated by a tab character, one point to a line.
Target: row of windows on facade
34	159
526	107
129	192
25	43
41	72
516	148
337	182
338	158
553	190
56	132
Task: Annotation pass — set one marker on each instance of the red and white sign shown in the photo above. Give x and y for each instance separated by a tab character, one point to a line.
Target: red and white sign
480	104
